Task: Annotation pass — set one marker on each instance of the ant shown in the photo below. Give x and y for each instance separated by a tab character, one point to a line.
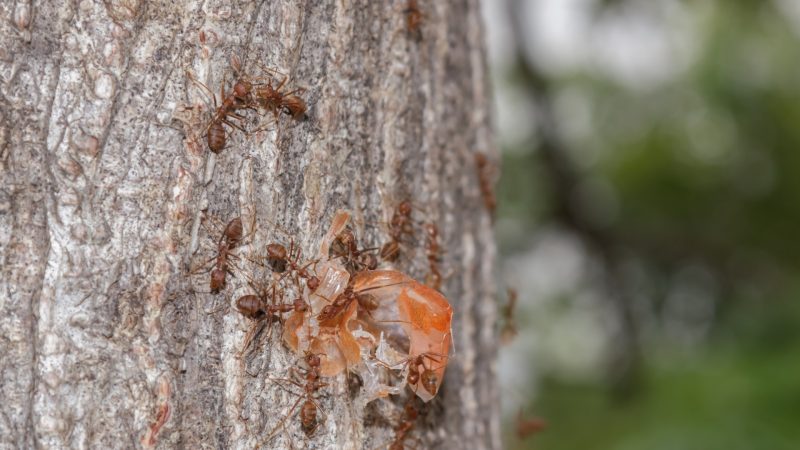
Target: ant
432	251
414	18
287	262
367	302
427	376
239	98
231	237
509	329
401	224
275	100
401	431
345	246
258	307
485	182
308	411
430	381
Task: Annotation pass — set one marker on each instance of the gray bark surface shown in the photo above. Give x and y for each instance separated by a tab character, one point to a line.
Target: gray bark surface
107	341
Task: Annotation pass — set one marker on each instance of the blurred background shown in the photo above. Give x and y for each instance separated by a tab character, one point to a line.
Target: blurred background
648	215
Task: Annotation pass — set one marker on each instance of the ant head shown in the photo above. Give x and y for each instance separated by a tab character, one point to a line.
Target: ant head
404	208
242	89
313	360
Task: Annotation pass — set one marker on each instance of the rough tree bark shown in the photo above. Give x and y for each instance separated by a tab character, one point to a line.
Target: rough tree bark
106	342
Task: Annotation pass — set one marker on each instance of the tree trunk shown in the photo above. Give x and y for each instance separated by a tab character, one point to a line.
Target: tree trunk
108	340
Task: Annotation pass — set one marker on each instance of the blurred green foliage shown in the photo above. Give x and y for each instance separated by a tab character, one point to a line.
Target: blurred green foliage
704	167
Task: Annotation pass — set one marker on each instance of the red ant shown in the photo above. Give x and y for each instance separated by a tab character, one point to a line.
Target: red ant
239	98
401	224
366	302
427	376
485	182
414	18
308	411
345	246
281	260
402	430
258	307
230	238
274	100
432	251
509	329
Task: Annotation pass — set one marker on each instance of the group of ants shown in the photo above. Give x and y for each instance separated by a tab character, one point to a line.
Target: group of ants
270	93
290	273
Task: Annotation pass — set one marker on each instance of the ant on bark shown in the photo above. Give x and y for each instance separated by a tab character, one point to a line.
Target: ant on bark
308	411
231	237
274	99
485	182
400	225
403	429
433	253
509	330
414	18
239	98
263	305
